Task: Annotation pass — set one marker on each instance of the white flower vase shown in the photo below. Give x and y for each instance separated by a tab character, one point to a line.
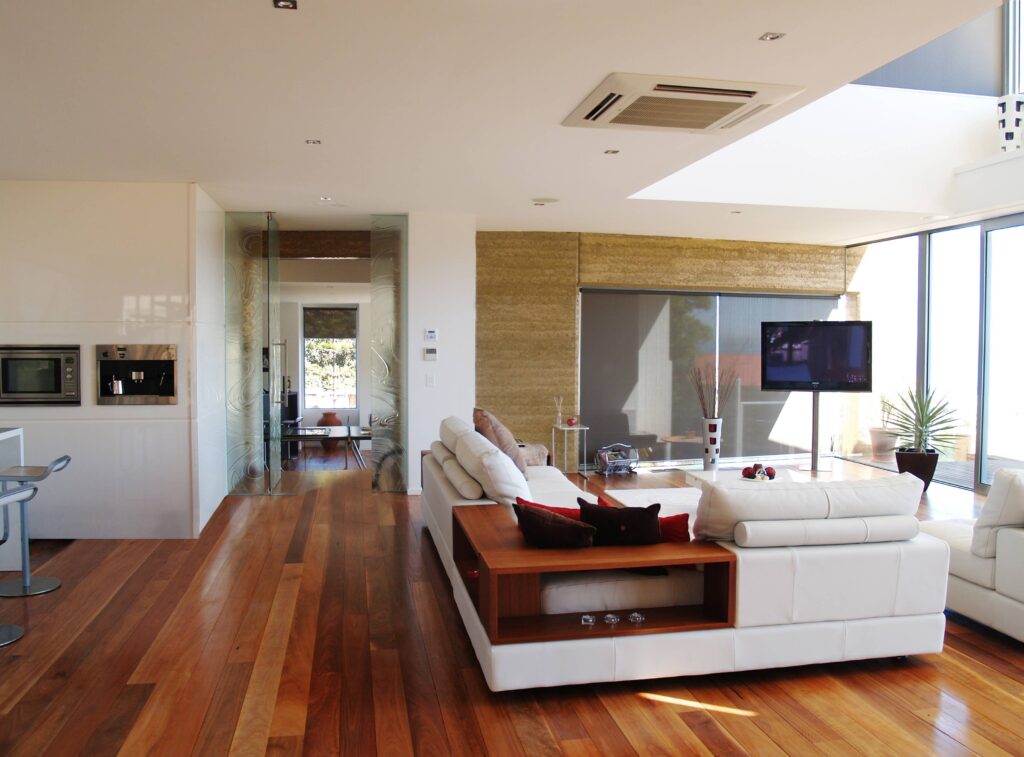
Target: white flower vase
712	442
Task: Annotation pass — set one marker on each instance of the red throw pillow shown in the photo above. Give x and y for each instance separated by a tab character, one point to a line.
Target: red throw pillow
572	513
675	528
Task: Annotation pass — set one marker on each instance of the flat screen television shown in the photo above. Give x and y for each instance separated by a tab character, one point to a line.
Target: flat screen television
816	356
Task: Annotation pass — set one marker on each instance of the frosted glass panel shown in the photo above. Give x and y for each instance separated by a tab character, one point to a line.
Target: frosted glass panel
388	237
244	307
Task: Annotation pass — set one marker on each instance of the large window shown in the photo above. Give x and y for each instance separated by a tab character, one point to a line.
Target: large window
329	357
1004	442
953	310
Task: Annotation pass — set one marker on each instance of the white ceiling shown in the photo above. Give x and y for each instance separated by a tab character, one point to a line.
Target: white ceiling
449	106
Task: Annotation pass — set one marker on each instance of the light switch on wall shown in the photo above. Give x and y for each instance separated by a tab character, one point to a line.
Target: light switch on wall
430	353
429	335
431	380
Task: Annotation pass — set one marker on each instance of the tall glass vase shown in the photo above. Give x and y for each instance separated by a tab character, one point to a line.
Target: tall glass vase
712	432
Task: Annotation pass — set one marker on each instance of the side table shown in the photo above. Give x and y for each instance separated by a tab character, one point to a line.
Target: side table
566	429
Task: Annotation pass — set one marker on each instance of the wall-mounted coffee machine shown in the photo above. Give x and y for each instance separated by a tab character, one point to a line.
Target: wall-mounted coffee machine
136	374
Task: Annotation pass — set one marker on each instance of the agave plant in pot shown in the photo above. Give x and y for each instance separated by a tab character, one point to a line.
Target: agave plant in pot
922	423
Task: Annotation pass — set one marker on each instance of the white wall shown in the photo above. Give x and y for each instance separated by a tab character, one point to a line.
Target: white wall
441	296
97	263
208	414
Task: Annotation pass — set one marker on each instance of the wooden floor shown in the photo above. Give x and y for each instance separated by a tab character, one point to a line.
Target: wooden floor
322	623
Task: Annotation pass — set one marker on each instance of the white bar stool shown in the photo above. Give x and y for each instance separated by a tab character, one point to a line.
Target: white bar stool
10	633
28	586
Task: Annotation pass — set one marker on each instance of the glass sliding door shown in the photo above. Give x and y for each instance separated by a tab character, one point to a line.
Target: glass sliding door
276	350
954	307
883	289
1002	439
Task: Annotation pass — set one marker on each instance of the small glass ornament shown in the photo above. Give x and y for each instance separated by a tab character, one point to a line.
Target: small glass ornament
611	619
636	617
588	620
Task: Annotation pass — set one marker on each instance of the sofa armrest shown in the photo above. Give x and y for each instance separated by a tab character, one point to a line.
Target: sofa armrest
1010	563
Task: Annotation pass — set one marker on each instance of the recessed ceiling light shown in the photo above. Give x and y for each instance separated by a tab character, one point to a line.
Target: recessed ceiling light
288	5
611	152
771	36
541	201
312	141
736	212
325	198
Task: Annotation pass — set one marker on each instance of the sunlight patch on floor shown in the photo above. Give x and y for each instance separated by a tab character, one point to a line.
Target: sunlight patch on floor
698	705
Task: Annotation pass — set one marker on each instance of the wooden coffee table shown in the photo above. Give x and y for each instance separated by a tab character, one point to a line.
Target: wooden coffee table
502	575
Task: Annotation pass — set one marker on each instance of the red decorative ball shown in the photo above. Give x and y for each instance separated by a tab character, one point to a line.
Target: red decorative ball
770	472
748	473
757	467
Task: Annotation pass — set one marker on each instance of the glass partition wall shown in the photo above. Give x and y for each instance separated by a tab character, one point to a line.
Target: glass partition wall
636	353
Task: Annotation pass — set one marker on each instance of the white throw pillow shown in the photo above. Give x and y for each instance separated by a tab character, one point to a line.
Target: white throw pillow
725	504
497	474
1004	507
441	453
452	428
467	486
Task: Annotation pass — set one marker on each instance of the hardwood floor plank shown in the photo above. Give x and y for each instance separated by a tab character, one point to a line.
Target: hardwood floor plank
297	547
323	716
258	706
284	746
69	702
495	726
222	716
393	735
79	607
357	707
108	738
599	724
463	735
293	693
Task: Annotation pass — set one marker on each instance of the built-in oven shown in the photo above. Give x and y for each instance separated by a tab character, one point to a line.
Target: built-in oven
40	375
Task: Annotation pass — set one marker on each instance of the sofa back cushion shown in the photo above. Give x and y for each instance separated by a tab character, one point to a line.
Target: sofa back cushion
452	428
440	452
1004	507
725	504
467	486
498	434
493	469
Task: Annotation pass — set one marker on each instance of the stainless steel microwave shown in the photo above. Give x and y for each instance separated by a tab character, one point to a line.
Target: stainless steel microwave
40	375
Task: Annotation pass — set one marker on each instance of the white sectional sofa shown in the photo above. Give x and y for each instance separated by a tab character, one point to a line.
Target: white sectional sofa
986	565
795	605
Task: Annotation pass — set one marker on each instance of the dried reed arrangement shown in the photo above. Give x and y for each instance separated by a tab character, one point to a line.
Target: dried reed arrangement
713	387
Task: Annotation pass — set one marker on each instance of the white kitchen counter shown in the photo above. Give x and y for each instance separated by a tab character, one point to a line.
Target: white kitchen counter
12	452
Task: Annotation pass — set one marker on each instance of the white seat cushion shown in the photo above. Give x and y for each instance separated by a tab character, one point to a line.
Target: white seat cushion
724	504
498	475
452	428
1003	507
958	534
608	590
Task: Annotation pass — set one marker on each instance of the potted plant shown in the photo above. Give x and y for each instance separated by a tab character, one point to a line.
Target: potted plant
922	423
883	439
713	387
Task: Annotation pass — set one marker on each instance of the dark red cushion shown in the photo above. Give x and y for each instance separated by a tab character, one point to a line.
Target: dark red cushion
572	513
675	528
548	530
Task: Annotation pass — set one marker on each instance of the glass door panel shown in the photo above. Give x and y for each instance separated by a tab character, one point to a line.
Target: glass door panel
1003	443
954	309
883	289
277	358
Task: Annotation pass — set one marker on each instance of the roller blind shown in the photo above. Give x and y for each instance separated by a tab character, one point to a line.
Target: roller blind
329	323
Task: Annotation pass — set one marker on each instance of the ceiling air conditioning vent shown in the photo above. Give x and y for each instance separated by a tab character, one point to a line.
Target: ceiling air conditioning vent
630	101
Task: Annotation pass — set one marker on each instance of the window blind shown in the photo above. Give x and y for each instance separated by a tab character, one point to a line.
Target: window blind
329	323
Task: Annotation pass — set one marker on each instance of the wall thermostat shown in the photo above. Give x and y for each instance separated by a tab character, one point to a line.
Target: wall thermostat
430	353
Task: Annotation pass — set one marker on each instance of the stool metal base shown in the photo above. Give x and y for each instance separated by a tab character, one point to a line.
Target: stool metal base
38	585
10	633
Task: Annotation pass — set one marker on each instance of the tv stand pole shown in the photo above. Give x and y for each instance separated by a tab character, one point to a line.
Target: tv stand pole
814	431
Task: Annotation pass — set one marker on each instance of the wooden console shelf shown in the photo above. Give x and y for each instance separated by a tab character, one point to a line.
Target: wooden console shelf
503	576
